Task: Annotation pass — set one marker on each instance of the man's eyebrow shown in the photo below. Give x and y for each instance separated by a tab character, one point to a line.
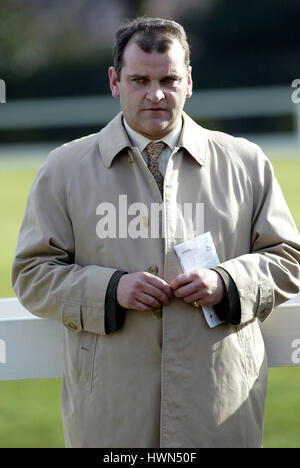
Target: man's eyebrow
137	75
173	75
168	75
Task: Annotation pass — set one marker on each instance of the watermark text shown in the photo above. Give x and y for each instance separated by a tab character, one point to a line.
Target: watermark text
2	92
145	456
2	352
296	353
296	93
139	220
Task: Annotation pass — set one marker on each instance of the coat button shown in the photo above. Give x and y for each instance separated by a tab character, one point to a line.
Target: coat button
71	326
153	269
263	313
156	314
130	159
145	221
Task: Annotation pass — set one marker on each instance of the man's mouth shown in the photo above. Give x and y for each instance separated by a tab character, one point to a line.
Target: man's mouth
155	109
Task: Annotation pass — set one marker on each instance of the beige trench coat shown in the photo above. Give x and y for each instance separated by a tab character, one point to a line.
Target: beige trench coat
169	382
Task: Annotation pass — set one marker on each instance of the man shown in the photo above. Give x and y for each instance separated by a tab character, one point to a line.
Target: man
143	367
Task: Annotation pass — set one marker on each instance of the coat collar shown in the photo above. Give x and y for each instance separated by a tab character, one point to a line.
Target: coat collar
194	139
113	139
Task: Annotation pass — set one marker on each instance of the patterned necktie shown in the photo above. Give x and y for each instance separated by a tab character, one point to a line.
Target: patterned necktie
153	151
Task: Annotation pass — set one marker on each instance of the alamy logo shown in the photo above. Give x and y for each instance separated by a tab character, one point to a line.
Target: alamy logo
2	92
296	353
2	352
296	93
137	220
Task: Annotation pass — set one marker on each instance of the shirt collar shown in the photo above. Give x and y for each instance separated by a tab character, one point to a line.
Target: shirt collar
139	141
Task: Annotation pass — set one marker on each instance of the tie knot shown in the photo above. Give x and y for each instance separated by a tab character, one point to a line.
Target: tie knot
154	149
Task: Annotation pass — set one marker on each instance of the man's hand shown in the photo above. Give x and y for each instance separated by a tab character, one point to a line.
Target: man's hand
204	286
143	291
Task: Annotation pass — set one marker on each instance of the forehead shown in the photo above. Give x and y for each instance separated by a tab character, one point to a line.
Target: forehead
135	60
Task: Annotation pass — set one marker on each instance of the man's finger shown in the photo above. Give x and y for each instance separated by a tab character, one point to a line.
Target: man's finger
185	290
150	301
158	292
160	284
180	280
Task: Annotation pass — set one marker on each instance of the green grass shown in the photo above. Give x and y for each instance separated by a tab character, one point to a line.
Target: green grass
30	410
15	183
282	428
288	173
30	414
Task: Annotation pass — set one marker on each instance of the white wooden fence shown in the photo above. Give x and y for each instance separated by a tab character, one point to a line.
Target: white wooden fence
32	347
94	110
97	110
217	104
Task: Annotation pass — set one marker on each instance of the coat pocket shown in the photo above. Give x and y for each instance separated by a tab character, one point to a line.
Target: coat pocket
254	351
79	356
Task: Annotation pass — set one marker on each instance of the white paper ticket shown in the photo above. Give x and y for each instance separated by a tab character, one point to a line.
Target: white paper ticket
200	252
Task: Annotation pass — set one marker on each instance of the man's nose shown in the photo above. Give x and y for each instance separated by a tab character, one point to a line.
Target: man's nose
155	94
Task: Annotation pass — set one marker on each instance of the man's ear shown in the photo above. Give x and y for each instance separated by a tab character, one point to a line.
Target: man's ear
113	82
190	84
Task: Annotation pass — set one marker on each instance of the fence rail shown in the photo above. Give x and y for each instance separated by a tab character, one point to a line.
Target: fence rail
216	104
99	109
32	347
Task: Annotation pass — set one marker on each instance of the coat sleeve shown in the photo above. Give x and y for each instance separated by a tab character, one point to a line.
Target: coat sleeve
270	273
45	277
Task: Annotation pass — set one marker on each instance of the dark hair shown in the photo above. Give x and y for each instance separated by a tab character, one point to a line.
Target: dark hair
153	34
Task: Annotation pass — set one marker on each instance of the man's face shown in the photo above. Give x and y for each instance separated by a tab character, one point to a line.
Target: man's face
152	89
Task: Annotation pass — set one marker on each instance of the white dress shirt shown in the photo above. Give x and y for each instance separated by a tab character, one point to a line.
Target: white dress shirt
140	142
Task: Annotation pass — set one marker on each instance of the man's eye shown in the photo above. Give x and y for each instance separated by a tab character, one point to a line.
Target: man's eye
170	80
138	80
